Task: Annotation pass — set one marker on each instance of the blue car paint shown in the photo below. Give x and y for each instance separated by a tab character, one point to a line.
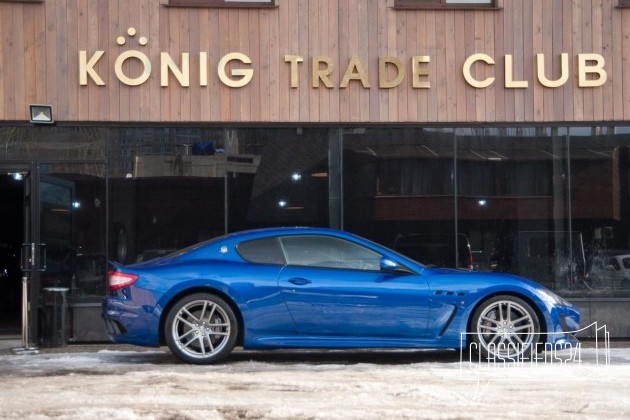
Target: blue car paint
275	314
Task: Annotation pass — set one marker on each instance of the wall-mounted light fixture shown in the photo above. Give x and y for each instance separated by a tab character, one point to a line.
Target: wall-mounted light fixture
41	114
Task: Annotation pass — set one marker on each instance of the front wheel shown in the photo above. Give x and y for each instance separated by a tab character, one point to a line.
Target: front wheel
201	329
505	328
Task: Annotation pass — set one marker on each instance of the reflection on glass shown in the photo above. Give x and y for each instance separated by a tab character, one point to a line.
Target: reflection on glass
72	229
285	188
398	190
550	203
167	189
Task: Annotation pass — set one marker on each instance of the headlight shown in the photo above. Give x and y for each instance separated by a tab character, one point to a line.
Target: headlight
550	297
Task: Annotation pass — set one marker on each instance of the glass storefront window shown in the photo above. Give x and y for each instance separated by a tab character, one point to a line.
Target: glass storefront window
549	203
512	204
600	206
277	177
399	191
172	187
166	190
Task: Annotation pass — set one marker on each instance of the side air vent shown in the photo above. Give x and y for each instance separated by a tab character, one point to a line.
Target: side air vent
448	293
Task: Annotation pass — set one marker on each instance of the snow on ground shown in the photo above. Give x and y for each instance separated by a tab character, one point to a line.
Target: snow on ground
136	383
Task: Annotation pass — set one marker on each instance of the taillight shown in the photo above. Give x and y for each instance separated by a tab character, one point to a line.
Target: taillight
118	280
469	262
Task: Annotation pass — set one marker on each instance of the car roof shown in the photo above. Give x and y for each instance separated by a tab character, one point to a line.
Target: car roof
232	239
277	231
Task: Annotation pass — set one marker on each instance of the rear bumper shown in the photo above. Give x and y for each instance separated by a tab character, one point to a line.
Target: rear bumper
127	323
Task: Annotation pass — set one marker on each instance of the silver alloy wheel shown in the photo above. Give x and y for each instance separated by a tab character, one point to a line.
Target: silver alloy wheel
506	329
201	329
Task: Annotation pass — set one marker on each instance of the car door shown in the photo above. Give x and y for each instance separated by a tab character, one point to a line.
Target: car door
334	287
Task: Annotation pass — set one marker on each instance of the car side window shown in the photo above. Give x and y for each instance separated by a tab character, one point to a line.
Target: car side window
626	263
261	251
328	252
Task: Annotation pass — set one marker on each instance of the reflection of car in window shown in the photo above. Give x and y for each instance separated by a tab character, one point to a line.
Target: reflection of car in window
437	249
609	269
550	257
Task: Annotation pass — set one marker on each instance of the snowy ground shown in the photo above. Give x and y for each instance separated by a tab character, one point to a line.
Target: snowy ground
112	382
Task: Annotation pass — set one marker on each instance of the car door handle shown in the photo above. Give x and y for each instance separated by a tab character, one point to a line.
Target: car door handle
299	281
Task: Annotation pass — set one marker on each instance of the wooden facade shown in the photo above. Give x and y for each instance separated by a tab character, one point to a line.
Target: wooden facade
39	61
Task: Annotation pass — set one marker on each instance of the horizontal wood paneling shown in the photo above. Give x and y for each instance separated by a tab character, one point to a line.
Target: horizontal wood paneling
41	43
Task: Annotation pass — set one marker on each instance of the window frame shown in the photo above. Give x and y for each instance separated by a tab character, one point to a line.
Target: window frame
442	4
220	4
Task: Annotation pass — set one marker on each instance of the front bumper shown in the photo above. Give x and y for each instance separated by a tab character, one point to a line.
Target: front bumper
563	324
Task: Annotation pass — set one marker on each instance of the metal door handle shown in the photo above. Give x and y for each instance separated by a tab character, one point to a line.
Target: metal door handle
299	281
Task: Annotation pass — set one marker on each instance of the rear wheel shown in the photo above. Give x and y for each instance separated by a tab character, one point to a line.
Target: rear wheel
505	328
201	329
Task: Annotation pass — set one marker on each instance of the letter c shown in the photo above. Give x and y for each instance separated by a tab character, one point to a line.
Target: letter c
479	84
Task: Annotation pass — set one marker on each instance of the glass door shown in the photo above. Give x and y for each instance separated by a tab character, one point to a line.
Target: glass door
12	193
59	248
72	233
56	197
46	248
19	254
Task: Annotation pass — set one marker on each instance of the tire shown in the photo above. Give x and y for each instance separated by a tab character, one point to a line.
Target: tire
201	329
505	328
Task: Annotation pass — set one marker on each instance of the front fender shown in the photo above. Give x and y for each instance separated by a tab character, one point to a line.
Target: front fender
556	319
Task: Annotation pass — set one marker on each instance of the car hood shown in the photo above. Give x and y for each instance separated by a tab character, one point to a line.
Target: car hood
479	276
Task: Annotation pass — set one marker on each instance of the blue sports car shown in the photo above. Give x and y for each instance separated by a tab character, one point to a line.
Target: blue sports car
321	288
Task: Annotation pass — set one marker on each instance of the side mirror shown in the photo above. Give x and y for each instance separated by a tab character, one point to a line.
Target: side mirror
391	266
